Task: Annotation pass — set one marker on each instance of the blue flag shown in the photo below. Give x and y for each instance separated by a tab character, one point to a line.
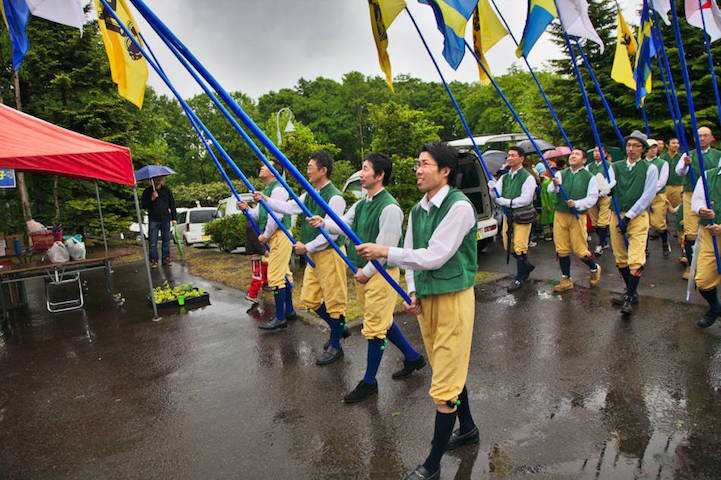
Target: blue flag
646	51
15	13
540	14
452	17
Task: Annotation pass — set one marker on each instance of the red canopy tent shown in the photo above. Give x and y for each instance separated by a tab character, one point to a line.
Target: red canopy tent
28	144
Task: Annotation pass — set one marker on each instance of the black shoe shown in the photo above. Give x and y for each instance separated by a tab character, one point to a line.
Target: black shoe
273	324
627	307
291	317
529	269
153	264
620	299
409	366
458	440
514	285
362	391
346	334
420	473
666	249
329	356
708	319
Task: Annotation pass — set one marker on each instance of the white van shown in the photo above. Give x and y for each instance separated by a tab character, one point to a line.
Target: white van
191	225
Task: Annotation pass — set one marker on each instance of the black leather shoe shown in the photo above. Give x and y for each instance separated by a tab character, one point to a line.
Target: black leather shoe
362	391
666	249
346	334
420	473
273	324
514	285
620	299
627	307
330	356
529	269
409	367
708	319
291	317
458	440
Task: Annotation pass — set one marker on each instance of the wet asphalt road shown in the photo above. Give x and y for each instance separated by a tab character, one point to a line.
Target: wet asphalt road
561	387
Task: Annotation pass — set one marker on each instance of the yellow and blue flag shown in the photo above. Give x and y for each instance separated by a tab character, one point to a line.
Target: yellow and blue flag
15	13
487	31
452	17
626	48
646	51
383	12
540	14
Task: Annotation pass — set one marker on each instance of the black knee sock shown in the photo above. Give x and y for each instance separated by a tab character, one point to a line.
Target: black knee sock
602	235
664	237
689	249
625	274
441	434
465	419
711	296
590	262
633	281
565	263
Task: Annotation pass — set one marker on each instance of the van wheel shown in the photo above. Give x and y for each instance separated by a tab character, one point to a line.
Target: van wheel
482	244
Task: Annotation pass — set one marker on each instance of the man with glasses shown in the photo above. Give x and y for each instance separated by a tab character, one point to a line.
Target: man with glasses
439	255
636	183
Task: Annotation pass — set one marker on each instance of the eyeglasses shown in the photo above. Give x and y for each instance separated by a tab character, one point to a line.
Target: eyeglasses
423	165
634	145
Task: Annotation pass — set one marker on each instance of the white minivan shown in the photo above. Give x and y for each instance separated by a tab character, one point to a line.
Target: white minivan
191	225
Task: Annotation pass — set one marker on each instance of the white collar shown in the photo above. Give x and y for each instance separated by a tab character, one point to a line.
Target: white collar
369	198
437	199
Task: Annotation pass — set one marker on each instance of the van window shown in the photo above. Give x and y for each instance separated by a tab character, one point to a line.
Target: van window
470	175
355	188
201	216
181	217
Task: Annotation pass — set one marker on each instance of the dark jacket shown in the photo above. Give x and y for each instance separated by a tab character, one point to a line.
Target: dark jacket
162	209
252	244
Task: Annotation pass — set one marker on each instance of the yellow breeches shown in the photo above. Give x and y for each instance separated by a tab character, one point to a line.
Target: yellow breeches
279	259
601	212
637	233
521	234
707	276
447	328
327	282
690	219
674	193
569	235
377	299
658	213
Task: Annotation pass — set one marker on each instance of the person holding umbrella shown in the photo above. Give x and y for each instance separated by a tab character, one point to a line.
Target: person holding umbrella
158	200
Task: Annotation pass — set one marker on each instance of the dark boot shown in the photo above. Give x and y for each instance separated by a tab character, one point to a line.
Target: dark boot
362	391
409	367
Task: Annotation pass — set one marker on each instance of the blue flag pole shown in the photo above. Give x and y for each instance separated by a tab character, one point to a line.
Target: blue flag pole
694	125
195	121
535	79
600	91
669	101
167	35
645	121
712	70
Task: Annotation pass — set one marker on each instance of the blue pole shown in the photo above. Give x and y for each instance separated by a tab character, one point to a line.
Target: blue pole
166	34
712	70
600	92
535	79
196	121
645	120
694	125
669	101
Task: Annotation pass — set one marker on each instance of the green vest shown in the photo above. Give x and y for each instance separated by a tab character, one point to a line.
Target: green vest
714	192
263	213
459	272
629	183
710	160
366	223
596	169
308	233
673	178
575	185
511	186
659	162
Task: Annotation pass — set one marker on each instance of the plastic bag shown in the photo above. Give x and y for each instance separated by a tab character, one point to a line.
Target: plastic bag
58	253
76	248
35	227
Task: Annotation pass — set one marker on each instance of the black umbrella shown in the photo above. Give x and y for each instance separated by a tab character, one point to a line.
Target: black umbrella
528	147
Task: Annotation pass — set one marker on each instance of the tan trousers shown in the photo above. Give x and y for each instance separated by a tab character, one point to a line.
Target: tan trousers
637	233
569	235
521	235
279	259
690	219
601	212
327	282
674	193
707	276
658	213
377	299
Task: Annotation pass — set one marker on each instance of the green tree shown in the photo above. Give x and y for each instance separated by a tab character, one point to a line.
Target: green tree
399	130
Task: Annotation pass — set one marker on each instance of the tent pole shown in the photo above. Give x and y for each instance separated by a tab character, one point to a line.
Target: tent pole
156	317
102	222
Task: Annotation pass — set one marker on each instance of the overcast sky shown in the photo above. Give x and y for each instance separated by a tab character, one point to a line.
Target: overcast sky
258	46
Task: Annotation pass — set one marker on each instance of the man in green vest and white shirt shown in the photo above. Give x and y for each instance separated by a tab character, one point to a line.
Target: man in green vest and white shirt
325	288
279	276
658	208
688	167
636	182
601	212
439	255
376	218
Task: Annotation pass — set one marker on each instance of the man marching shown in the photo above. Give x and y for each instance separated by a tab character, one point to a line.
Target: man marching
674	185
377	218
636	182
707	275
439	255
601	213
569	232
516	190
279	276
658	204
325	288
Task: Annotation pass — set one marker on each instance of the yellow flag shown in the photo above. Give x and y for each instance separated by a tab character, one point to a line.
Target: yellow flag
626	47
128	67
487	31
383	12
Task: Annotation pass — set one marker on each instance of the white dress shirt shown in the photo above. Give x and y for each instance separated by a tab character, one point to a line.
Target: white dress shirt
444	241
611	175
662	176
682	168
591	192
649	189
528	190
279	194
291	207
698	200
390	228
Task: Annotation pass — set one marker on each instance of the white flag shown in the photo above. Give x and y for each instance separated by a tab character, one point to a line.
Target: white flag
66	12
662	7
574	14
711	15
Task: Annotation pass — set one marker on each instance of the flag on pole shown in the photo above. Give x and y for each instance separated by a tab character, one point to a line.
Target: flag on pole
383	12
574	15
626	48
646	51
128	67
451	18
540	14
66	12
662	7
487	31
15	15
711	15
